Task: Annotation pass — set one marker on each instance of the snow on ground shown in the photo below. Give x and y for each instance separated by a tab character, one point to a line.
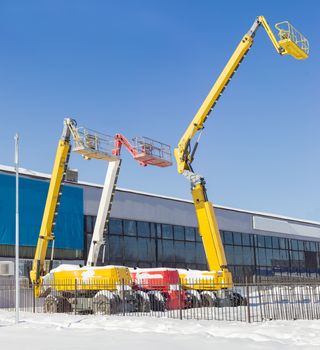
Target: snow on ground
60	331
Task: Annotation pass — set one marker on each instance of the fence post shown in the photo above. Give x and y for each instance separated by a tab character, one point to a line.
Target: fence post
180	301
33	298
123	298
248	301
75	296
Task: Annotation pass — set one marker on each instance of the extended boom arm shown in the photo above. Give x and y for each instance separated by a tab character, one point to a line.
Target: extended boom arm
291	42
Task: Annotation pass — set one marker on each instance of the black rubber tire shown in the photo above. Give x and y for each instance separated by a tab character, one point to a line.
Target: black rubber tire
56	304
156	304
102	305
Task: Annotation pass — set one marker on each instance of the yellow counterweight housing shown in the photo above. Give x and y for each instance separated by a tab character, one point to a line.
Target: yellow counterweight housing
89	279
205	280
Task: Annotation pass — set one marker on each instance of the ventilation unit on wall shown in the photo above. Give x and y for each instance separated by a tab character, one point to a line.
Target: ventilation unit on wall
72	175
6	268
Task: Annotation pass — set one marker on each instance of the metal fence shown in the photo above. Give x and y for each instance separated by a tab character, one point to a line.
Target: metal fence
244	302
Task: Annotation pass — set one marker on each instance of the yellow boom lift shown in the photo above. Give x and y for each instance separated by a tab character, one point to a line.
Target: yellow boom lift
98	289
290	42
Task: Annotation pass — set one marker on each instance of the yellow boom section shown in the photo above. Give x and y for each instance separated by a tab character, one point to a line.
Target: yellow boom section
51	207
291	43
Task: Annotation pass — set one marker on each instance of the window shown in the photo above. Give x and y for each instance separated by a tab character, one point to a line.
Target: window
158	230
229	254
269	257
248	257
261	256
228	237
260	241
190	233
129	227
115	226
168	253
238	255
143	229
167	231
130	248
268	241
146	250
275	243
283	243
179	251
300	245
115	248
190	252
201	258
237	238
246	239
153	229
178	233
294	244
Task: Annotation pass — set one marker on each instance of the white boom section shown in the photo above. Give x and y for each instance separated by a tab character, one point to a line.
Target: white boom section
103	212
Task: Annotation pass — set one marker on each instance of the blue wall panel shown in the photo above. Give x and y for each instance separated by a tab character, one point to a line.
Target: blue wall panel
33	194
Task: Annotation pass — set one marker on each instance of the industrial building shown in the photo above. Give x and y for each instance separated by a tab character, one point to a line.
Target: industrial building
149	230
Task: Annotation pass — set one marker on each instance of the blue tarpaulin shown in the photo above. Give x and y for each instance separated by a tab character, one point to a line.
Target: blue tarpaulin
33	194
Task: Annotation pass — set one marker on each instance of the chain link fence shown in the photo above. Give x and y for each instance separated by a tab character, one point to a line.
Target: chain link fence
244	302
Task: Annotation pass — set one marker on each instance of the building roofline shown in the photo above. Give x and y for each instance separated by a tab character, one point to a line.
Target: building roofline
37	174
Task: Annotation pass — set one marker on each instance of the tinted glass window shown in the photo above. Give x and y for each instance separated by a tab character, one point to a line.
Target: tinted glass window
167	231
269	257
313	246
261	256
179	251
146	249
115	248
283	243
260	241
268	241
143	229
158	230
190	250
294	244
228	237
300	245
198	237
129	227
201	258
238	254
168	250
153	229
248	257
237	238
275	242
246	239
131	248
115	226
190	233
178	233
229	254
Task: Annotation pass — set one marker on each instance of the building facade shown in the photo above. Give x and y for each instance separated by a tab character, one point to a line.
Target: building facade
148	230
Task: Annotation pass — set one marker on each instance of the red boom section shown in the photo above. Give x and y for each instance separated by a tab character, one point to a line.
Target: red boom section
145	151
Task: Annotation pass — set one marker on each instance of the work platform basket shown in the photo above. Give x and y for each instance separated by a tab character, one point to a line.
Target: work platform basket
152	152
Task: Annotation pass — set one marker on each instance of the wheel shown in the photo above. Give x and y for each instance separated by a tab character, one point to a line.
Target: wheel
208	299
238	300
104	305
193	298
56	304
156	304
142	303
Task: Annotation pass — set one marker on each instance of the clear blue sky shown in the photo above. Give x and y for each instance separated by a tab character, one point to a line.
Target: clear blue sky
144	68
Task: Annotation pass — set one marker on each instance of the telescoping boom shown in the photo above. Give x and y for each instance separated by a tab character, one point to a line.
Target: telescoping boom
290	42
146	152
